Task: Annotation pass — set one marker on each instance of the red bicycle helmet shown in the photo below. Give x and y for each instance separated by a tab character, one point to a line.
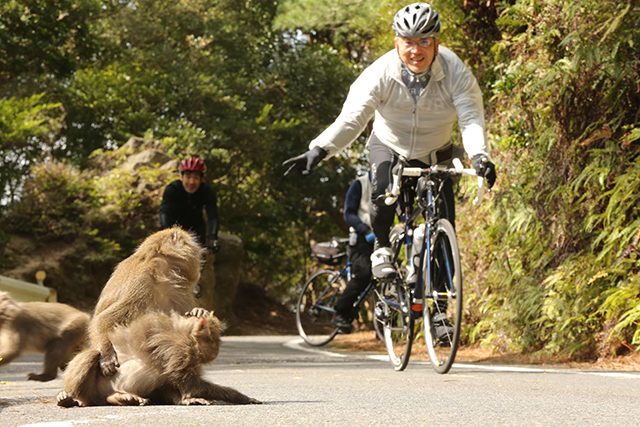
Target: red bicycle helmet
192	164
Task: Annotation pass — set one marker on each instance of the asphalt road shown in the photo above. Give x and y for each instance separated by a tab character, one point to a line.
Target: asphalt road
301	386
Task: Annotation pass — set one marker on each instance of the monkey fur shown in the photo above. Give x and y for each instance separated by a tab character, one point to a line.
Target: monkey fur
57	330
159	275
161	357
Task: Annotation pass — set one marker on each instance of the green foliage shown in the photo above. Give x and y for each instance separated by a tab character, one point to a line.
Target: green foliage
6	261
563	238
103	214
360	30
55	199
25	126
43	36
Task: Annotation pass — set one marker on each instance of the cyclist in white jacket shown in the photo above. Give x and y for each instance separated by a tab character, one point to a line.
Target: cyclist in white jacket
416	92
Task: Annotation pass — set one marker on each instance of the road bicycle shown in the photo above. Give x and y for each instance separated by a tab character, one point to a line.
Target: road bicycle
425	247
315	307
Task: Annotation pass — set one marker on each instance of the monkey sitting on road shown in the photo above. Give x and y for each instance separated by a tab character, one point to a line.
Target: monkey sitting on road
57	330
159	275
161	357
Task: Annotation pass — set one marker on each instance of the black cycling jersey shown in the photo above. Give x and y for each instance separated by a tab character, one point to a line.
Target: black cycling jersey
186	210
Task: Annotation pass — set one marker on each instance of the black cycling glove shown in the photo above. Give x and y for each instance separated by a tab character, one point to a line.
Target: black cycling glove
214	245
485	168
305	162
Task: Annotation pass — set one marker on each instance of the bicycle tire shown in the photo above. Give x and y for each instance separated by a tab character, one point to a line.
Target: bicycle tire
378	309
315	307
398	324
447	275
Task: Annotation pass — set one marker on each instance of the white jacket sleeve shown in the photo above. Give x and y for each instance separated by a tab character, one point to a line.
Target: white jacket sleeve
467	99
359	107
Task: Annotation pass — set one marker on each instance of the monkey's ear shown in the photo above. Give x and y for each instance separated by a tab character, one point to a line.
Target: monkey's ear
202	326
174	238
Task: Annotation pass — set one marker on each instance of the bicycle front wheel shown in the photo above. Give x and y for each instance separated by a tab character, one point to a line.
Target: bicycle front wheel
316	307
443	312
397	323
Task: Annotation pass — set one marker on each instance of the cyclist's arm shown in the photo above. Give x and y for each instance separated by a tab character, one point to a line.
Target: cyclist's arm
359	107
467	99
351	206
211	207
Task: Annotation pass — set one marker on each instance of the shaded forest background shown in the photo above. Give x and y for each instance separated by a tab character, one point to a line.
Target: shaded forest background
551	261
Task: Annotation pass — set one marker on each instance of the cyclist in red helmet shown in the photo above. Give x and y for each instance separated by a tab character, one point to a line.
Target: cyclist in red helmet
183	202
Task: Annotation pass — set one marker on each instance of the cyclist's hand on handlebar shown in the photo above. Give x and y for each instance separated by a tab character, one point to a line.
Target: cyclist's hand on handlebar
214	245
485	168
305	162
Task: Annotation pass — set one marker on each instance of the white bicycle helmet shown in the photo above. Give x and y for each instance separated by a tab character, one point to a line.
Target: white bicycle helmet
418	20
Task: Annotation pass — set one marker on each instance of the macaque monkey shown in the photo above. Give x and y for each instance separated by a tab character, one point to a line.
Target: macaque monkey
161	357
57	330
159	275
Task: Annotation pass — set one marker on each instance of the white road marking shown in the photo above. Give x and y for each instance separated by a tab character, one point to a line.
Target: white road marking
295	344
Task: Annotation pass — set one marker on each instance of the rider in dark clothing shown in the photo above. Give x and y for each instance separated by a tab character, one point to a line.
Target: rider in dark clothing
183	202
356	214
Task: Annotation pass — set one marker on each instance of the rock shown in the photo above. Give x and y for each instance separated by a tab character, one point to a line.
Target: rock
145	158
136	143
170	166
220	279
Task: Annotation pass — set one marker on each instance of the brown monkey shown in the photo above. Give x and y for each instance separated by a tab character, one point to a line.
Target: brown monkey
161	357
57	330
159	275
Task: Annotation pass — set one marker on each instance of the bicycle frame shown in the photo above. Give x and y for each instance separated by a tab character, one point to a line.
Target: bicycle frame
346	273
426	205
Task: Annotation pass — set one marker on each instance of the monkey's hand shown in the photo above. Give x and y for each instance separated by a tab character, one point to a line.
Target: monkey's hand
109	362
198	312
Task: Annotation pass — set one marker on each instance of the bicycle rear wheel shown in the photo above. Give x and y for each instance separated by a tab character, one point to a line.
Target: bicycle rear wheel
315	307
445	302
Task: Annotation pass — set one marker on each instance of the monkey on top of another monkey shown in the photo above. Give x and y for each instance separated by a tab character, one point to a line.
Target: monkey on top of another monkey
154	284
161	357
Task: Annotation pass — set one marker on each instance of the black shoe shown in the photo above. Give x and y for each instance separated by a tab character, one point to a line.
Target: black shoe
342	323
443	328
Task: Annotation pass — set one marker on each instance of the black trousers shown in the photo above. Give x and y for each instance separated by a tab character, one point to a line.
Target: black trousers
382	160
360	257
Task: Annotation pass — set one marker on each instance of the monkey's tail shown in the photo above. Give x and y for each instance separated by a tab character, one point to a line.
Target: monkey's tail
83	379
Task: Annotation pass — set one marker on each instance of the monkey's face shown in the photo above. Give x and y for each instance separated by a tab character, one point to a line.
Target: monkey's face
207	333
